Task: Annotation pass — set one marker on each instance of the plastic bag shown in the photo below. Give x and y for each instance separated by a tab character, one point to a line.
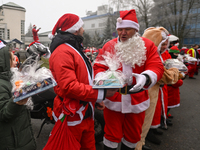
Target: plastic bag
175	63
31	79
112	78
186	58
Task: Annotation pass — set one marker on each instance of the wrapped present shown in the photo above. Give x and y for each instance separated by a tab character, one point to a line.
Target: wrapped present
175	63
112	78
31	80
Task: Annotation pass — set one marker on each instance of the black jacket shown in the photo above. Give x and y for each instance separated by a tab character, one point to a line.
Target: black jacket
15	123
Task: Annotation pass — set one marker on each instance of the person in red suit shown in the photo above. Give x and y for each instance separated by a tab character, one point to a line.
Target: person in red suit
184	49
35	34
73	73
193	66
173	89
160	115
125	111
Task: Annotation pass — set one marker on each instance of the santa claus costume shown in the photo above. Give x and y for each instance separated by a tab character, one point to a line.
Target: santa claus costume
163	99
124	113
73	73
173	89
35	34
184	49
193	66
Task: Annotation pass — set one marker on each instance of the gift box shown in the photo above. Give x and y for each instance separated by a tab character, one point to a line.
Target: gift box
111	78
107	83
28	90
30	79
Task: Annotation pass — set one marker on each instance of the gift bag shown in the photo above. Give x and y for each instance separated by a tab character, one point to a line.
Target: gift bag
61	137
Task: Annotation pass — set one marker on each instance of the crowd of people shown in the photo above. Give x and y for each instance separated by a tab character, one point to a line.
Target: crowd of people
132	114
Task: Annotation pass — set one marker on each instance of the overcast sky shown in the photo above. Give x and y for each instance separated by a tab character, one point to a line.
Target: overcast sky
45	13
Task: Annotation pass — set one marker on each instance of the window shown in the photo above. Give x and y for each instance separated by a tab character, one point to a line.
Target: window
2	33
8	34
22	27
196	41
198	25
191	34
101	24
192	26
22	37
194	11
92	25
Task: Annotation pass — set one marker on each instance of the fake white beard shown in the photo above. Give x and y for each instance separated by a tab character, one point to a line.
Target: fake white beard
131	52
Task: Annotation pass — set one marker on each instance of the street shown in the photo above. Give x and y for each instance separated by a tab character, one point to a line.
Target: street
183	135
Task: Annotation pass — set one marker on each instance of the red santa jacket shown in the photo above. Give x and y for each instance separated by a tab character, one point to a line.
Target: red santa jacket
165	56
174	94
162	103
185	49
132	103
73	84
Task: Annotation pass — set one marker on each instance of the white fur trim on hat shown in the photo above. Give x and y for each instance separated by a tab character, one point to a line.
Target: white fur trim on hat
50	36
127	24
75	27
165	38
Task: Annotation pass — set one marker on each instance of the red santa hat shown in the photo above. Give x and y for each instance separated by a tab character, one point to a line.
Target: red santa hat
127	19
34	26
67	23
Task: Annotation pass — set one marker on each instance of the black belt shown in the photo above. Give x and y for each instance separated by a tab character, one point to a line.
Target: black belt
125	90
162	85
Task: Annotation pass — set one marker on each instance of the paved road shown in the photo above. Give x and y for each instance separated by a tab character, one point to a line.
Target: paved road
183	135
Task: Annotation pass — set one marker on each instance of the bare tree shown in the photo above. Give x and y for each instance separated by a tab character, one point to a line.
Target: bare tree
175	15
143	8
87	40
119	4
29	32
96	40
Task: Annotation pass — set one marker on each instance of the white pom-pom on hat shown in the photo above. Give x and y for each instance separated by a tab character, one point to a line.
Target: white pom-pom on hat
50	36
119	20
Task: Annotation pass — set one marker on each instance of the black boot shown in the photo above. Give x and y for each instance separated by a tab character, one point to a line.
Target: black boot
108	148
124	147
144	147
152	138
162	124
169	122
157	132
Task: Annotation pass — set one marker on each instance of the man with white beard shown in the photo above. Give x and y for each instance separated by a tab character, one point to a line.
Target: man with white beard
125	111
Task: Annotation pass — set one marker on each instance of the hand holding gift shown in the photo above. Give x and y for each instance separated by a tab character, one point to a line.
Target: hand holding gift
30	80
140	82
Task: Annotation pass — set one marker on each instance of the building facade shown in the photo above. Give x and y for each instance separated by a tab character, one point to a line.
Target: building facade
12	23
97	21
